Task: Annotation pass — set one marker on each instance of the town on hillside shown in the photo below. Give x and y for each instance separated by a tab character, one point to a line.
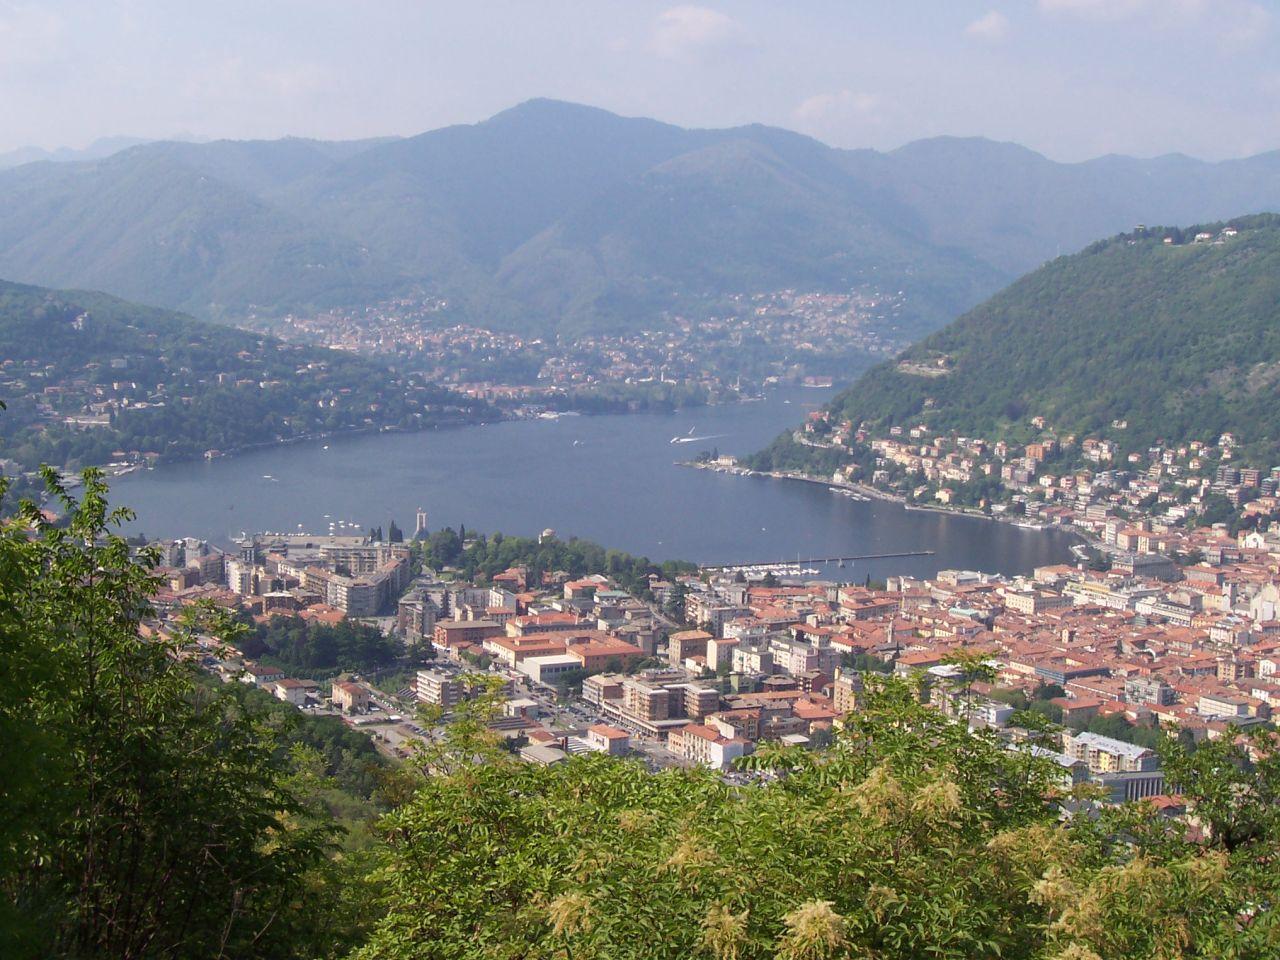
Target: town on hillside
1087	484
752	341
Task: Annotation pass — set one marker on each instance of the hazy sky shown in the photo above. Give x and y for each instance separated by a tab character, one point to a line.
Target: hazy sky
1071	78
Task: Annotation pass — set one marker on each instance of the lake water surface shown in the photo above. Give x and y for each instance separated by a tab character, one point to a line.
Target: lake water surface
611	479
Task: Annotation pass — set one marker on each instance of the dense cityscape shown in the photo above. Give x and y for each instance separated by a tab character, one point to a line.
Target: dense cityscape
1180	632
614	481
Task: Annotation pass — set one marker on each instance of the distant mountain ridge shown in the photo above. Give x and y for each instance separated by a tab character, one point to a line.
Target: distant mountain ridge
98	150
552	216
1135	339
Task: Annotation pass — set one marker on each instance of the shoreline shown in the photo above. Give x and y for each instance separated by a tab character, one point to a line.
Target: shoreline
230	452
507	416
866	493
863	491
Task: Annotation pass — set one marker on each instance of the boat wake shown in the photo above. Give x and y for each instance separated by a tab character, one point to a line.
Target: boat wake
692	439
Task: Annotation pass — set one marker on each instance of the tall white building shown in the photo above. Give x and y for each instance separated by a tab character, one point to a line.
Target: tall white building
240	576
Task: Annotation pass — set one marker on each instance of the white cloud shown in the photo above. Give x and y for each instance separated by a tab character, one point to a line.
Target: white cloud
992	26
1232	23
824	110
1097	9
29	34
235	79
685	32
1250	24
843	118
294	80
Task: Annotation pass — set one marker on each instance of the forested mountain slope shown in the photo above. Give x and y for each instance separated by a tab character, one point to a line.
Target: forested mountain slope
1136	338
84	376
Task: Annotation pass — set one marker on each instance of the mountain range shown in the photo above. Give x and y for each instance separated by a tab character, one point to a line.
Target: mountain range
1156	336
554	216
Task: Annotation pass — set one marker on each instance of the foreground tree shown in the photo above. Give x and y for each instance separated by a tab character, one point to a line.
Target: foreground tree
142	817
911	838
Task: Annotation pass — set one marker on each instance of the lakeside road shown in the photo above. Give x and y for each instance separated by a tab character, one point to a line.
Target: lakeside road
873	493
856	488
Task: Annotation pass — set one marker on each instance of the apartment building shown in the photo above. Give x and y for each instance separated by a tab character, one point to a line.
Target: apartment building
439	689
685	644
456	633
1150	690
650	704
646	701
1032	602
706	746
846	691
1107	755
795	657
350	697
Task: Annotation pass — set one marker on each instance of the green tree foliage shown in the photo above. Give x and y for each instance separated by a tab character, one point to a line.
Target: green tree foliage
150	820
909	838
1233	784
570	682
1169	339
862	662
442	548
676	606
631	398
1217	509
786	455
973	667
483	557
348	758
1037	709
468	741
319	649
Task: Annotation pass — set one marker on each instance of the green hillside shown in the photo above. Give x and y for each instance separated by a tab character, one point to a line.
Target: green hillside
1180	341
85	376
147	226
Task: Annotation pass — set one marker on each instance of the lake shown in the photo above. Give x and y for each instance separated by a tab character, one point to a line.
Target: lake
611	479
